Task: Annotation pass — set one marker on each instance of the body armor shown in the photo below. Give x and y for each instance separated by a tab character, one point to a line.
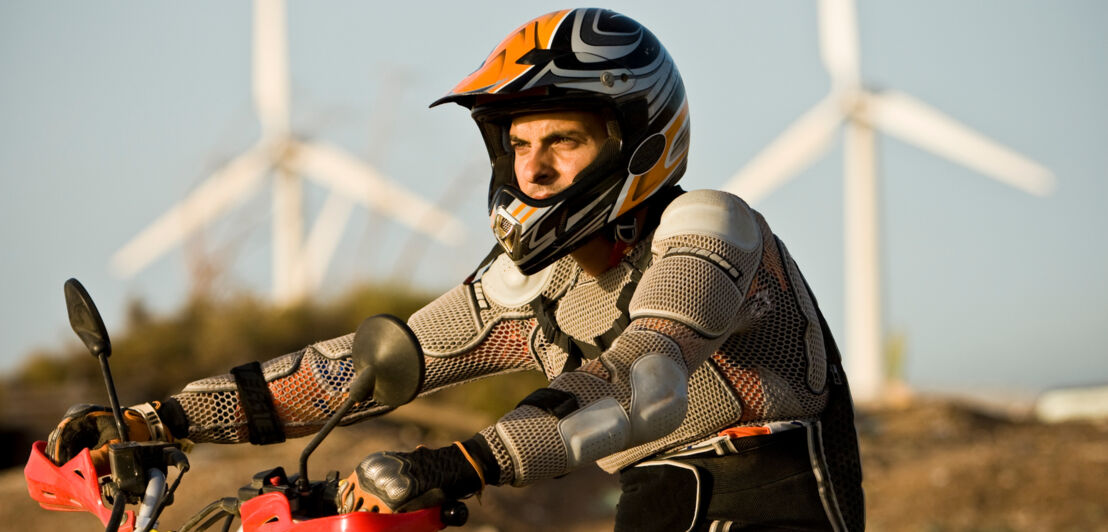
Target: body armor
705	324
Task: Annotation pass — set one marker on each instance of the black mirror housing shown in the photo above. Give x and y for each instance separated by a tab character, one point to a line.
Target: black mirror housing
85	319
387	348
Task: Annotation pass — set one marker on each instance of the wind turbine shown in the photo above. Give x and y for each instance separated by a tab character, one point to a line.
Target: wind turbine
864	111
298	262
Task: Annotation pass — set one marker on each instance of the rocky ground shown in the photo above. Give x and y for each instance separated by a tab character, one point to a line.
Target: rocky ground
930	466
938	466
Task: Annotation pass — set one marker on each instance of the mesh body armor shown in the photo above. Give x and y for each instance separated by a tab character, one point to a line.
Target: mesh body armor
712	298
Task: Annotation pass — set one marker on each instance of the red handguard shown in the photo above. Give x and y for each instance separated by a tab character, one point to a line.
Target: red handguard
71	487
270	513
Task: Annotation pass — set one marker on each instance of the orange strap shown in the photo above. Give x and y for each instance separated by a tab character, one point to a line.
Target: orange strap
742	432
476	467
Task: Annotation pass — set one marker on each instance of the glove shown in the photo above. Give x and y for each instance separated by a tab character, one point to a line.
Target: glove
391	482
93	427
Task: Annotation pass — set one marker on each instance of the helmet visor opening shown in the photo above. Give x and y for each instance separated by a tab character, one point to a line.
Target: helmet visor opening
495	128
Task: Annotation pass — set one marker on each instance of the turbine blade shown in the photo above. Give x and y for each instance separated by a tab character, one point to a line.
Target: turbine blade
801	143
289	284
838	32
325	236
911	120
271	68
353	178
225	188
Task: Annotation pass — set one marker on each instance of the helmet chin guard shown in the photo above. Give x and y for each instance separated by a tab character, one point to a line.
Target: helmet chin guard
581	60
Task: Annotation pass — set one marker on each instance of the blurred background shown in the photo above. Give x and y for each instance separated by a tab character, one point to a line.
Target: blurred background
113	112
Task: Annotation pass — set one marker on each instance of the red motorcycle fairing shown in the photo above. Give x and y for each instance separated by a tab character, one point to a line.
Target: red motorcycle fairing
74	487
71	487
270	513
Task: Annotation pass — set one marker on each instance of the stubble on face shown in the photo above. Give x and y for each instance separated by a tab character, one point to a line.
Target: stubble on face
552	148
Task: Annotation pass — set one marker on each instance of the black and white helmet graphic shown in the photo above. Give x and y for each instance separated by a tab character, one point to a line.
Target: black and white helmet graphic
579	59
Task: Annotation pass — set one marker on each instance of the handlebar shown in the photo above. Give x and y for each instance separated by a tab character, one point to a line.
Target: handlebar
385	351
74	486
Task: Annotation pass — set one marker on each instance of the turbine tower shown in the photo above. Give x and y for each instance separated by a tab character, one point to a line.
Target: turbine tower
864	111
299	263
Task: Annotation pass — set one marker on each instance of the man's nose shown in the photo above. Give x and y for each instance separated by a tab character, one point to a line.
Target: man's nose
535	166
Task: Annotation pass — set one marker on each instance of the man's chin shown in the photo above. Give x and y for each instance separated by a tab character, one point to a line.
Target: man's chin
538	194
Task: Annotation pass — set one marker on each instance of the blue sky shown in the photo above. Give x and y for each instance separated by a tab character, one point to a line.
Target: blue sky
113	111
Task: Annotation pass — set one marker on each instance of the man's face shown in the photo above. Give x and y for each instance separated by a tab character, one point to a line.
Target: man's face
552	148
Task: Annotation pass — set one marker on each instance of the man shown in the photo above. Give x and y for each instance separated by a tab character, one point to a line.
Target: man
684	348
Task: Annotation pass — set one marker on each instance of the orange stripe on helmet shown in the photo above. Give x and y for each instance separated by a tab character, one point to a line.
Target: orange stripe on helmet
528	214
501	66
646	184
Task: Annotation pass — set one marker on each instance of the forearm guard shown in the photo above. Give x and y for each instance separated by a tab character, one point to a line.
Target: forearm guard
306	388
464	337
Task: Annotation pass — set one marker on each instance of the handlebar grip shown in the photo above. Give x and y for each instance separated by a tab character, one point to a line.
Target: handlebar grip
454	513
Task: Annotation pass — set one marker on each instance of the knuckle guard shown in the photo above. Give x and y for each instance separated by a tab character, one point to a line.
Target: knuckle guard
386	474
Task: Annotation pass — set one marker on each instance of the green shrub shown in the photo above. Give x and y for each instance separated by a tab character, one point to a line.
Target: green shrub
155	356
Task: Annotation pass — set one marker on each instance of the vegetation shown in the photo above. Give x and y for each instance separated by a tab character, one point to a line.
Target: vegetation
154	356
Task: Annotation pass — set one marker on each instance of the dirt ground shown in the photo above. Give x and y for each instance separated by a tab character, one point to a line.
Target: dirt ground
942	466
930	465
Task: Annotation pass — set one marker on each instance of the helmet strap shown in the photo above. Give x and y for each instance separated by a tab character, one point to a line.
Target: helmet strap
626	231
619	248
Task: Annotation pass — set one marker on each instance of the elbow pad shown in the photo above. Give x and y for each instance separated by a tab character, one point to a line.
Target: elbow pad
659	398
646	399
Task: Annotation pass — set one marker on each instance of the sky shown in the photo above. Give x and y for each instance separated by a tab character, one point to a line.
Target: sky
113	111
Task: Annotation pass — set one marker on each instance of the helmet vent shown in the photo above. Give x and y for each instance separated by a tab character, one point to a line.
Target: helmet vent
647	154
506	230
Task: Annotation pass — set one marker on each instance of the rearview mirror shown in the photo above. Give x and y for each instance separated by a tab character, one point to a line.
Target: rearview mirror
389	364
85	319
387	353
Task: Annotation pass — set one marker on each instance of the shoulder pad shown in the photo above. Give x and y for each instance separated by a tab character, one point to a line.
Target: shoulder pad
508	287
711	213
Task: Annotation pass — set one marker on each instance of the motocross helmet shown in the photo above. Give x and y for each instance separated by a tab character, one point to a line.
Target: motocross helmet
579	59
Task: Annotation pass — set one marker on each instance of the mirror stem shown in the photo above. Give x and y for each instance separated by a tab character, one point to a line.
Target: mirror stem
113	400
360	390
302	484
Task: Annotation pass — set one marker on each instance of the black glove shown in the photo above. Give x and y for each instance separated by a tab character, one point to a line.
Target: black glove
93	427
420	479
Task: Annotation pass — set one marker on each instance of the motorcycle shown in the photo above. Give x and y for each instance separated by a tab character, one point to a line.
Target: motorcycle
389	366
